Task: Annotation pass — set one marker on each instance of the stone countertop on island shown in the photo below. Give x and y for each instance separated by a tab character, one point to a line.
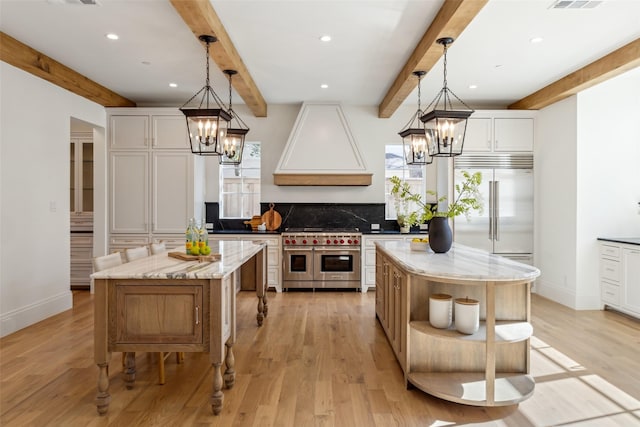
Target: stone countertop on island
626	240
461	262
161	266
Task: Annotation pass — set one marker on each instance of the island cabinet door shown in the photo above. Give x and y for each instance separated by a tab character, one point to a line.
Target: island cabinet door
157	314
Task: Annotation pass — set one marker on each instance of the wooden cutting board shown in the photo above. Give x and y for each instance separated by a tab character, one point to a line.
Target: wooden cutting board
271	218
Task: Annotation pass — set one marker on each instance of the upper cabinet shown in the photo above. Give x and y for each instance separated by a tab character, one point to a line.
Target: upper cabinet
143	131
487	134
81	173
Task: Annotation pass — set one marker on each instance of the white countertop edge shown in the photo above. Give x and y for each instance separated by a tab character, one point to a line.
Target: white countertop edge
461	262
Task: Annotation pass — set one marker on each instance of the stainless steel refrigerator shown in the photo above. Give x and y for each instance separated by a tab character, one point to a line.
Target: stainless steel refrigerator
506	225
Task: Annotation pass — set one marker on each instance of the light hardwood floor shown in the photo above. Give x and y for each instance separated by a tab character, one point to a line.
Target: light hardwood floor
321	359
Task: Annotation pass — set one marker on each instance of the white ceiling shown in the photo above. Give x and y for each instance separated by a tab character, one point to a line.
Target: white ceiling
279	43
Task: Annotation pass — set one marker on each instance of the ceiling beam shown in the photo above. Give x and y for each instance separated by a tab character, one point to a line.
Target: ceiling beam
611	65
201	18
30	60
451	20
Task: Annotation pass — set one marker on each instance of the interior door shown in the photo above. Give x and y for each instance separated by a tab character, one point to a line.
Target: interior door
476	232
513	193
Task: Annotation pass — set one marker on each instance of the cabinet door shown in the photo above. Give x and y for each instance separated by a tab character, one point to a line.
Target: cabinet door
157	314
170	132
513	134
129	192
380	290
172	197
129	132
478	135
631	279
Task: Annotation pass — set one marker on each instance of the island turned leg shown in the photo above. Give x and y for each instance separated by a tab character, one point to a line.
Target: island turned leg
260	316
217	397
103	398
230	362
266	305
130	370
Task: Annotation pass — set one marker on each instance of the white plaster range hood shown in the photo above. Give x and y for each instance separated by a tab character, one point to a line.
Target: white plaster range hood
321	150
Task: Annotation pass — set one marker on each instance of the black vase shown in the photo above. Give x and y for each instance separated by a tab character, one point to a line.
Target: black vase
440	237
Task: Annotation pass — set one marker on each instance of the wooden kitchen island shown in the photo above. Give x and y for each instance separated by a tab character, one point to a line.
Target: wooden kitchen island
488	368
163	304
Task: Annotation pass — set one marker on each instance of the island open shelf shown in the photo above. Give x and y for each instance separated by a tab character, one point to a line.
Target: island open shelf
488	368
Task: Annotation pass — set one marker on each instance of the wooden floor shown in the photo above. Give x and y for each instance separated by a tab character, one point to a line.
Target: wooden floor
321	359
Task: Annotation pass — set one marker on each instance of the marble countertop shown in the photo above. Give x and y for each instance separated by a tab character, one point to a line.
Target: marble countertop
161	266
461	262
627	240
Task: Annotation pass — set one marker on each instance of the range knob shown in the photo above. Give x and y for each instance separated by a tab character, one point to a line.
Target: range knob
328	241
304	241
286	241
335	242
315	241
341	241
349	241
293	242
355	242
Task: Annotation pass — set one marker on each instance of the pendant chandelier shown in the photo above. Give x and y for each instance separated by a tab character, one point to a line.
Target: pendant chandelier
445	127
233	141
414	139
206	122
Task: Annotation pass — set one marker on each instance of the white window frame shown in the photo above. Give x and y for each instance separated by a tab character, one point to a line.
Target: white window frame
249	162
403	171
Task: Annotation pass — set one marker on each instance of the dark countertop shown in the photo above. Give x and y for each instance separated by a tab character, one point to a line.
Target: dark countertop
277	233
627	240
392	232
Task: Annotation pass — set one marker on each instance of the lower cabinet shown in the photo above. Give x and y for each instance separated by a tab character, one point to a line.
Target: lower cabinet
620	277
159	313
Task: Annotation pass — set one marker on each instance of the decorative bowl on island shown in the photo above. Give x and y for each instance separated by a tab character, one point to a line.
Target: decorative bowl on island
419	244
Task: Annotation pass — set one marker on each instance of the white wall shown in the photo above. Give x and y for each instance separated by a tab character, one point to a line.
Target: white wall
370	132
587	185
34	195
608	158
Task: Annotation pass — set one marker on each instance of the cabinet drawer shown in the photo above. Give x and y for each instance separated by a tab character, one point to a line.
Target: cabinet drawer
610	251
129	241
610	293
610	270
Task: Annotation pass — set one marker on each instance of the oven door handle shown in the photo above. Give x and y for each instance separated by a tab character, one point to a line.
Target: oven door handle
336	249
297	249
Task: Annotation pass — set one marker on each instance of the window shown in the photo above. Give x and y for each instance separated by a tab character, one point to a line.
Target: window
394	164
240	185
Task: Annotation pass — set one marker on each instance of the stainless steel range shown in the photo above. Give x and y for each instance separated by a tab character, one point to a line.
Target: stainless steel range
321	258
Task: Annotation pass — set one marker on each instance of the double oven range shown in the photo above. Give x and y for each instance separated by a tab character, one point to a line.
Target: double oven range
315	258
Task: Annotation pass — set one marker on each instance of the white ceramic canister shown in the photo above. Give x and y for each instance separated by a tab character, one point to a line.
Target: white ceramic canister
440	310
467	314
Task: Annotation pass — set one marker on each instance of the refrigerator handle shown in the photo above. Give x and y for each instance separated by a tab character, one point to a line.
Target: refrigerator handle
490	210
496	209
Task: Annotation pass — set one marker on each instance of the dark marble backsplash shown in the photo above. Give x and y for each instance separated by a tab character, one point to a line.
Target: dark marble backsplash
300	215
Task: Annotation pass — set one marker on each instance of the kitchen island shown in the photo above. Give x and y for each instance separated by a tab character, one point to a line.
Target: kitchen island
163	304
487	368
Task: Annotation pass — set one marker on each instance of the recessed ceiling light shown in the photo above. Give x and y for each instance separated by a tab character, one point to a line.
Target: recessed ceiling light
173	84
324	86
325	38
473	86
536	40
112	36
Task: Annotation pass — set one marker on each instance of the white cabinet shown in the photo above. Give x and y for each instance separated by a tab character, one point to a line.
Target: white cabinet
620	277
368	259
631	279
274	254
140	131
498	134
153	188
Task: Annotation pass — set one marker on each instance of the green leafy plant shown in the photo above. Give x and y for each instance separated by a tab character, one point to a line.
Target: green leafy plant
468	198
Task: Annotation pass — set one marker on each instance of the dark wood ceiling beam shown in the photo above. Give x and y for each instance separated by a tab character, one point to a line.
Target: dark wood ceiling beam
611	65
452	18
201	18
30	60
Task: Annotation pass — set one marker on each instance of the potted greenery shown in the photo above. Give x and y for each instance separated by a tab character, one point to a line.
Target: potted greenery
467	198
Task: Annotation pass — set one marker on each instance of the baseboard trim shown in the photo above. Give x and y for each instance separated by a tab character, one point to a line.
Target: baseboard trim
553	293
25	316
